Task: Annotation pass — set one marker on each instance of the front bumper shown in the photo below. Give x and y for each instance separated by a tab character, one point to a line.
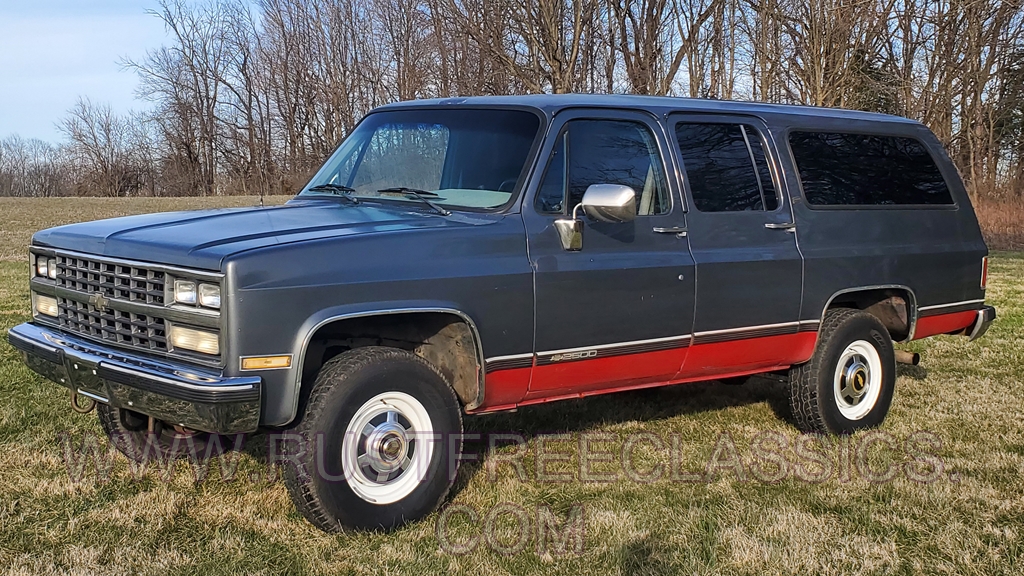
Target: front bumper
175	393
985	317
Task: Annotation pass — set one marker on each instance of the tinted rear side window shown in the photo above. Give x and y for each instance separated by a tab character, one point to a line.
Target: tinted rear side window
726	167
838	169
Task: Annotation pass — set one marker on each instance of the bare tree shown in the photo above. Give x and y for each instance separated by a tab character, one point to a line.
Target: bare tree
185	79
106	149
33	168
541	43
249	96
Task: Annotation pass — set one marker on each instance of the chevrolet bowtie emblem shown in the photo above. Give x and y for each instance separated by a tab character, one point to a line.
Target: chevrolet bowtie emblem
99	301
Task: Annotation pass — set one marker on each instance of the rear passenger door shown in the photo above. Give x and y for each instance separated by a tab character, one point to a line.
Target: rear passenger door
743	241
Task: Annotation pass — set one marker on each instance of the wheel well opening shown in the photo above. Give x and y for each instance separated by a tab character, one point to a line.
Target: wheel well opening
445	340
892	306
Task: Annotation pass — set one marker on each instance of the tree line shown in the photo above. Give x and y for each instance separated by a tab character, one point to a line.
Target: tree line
250	96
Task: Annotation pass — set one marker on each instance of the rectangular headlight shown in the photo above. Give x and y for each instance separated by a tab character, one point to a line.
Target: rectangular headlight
195	340
44	267
185	291
40	265
46	305
209	295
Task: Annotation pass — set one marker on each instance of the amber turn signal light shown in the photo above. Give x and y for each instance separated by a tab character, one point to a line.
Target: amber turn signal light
266	362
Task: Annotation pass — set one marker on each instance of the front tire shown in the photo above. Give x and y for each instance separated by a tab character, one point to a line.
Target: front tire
848	384
129	432
378	442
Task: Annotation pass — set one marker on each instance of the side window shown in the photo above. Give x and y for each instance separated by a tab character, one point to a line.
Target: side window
604	152
764	174
551	194
839	169
726	167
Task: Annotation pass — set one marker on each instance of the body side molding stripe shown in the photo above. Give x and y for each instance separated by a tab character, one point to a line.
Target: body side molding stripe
936	309
614	349
652	345
509	362
714	336
616	345
809	325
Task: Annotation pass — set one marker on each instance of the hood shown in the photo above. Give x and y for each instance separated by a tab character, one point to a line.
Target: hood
204	238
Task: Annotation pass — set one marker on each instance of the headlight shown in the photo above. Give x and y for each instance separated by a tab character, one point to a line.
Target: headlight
194	340
185	291
191	292
209	295
44	305
46	267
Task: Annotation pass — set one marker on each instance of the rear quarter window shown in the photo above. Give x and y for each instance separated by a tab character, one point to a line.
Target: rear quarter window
848	169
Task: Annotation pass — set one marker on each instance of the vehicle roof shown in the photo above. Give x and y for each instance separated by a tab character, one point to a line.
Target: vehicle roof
552	103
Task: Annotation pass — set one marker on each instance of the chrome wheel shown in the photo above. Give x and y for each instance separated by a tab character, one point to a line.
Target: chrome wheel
858	380
387	447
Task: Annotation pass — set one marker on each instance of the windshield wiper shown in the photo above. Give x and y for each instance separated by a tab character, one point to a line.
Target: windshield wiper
336	189
418	194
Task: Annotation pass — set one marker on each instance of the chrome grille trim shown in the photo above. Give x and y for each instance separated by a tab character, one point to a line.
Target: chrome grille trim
126	303
138	331
113	280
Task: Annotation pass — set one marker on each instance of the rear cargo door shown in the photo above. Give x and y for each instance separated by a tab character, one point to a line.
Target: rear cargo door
744	243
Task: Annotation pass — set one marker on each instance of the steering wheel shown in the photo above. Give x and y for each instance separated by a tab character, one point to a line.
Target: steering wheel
510	182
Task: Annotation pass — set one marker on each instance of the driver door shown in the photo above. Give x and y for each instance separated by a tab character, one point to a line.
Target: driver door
618	312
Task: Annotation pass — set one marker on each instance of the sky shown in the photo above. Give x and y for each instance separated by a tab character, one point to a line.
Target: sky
53	51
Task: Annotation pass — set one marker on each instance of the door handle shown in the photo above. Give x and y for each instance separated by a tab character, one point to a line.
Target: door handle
680	232
787	226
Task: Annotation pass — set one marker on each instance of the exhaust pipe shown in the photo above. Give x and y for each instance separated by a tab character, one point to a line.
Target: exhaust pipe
904	357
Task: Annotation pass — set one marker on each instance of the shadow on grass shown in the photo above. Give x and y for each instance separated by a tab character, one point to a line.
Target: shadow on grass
910	371
646	556
582	415
596	412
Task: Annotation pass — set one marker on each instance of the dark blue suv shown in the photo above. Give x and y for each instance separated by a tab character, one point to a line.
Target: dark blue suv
479	254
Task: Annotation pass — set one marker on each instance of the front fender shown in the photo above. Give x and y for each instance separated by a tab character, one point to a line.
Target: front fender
365	310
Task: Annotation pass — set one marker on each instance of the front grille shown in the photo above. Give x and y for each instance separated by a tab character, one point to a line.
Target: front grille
124	328
123	303
113	280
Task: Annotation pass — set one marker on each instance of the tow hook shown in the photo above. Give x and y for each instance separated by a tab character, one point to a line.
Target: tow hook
78	406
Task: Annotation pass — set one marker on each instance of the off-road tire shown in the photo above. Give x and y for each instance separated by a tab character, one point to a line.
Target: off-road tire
344	384
128	432
812	384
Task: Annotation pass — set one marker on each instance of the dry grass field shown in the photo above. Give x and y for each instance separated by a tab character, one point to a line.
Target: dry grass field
1003	223
954	504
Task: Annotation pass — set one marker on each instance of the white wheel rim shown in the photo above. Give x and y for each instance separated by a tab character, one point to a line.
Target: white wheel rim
857	382
387	447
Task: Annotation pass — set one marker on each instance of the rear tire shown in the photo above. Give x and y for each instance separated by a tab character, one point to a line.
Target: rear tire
377	446
848	384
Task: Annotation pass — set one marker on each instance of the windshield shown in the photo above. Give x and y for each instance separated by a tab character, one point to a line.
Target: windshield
457	158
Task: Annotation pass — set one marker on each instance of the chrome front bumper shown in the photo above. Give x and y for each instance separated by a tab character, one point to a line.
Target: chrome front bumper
175	393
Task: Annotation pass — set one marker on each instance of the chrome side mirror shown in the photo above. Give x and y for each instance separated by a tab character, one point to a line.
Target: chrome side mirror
610	203
570	231
602	202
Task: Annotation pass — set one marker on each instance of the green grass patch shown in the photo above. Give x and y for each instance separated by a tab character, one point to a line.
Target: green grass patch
969	520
